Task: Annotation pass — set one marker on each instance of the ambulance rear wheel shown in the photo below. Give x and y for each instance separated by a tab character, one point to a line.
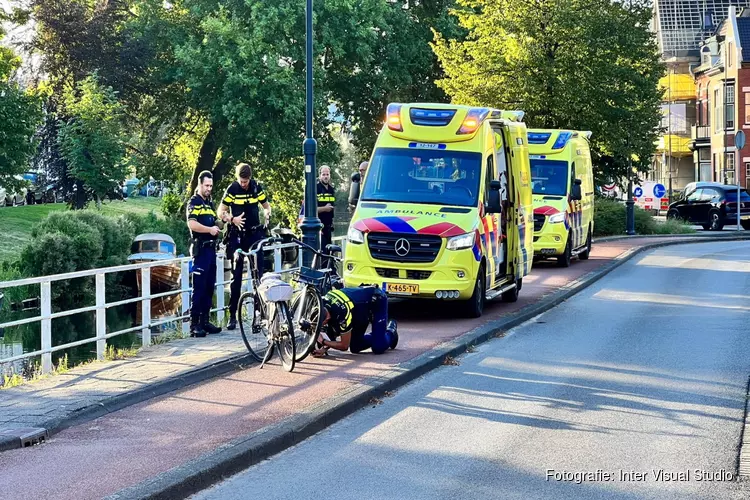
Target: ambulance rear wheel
475	305
512	294
564	259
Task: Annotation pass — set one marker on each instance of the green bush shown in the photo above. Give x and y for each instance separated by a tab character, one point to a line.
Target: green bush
77	241
171	204
610	220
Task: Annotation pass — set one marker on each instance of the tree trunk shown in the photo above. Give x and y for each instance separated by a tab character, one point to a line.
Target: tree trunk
222	168
206	157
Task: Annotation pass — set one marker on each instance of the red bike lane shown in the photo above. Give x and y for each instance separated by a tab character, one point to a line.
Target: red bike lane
126	447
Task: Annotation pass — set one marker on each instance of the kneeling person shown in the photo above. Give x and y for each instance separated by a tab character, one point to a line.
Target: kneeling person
348	312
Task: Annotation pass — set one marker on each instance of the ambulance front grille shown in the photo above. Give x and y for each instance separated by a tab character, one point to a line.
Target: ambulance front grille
411	274
538	222
422	248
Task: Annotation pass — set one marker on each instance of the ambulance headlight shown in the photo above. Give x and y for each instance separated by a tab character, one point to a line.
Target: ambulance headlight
557	218
355	236
461	241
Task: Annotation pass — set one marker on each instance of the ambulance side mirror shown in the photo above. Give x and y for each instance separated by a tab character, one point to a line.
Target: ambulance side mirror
493	202
575	191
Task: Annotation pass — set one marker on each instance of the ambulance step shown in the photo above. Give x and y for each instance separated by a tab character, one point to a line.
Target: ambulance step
493	294
577	251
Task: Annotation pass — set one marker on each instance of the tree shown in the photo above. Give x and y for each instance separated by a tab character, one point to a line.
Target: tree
93	139
20	115
579	64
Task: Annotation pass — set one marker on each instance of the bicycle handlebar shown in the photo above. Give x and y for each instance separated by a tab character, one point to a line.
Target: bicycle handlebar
317	252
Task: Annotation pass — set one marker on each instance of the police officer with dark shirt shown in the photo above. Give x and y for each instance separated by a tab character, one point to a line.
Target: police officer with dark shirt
239	208
348	312
204	233
326	201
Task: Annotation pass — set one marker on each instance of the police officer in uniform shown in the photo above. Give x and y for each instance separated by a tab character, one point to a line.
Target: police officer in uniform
348	312
239	209
326	201
204	232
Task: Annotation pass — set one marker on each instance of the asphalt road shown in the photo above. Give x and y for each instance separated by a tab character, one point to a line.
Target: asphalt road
645	371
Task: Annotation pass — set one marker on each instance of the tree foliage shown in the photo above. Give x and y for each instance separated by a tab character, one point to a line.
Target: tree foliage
20	115
93	139
579	64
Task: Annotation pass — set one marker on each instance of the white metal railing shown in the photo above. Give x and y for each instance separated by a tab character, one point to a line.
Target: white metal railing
101	305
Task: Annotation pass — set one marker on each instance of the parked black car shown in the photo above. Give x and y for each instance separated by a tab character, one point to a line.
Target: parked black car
712	205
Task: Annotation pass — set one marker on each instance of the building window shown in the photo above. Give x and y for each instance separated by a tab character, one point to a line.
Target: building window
747	175
747	108
717	111
704	154
730	166
730	106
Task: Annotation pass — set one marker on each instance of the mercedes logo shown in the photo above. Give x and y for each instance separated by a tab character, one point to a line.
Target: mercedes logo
402	247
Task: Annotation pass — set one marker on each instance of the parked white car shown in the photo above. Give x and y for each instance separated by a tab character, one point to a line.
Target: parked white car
11	199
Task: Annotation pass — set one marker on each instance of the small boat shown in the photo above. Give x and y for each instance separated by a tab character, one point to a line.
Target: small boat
151	247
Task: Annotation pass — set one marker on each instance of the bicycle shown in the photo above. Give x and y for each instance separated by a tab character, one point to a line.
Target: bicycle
264	315
316	281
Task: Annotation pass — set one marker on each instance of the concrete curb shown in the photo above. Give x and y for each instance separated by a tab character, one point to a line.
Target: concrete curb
236	456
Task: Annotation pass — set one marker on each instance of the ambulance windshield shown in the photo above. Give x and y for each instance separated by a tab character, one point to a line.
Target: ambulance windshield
549	177
423	176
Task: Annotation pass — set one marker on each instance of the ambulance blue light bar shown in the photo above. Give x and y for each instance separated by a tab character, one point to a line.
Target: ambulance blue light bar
431	117
562	140
538	137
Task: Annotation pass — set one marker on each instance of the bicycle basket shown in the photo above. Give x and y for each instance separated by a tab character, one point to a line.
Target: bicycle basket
275	291
310	276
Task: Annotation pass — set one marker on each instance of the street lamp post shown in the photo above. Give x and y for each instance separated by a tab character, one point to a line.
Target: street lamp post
629	203
311	224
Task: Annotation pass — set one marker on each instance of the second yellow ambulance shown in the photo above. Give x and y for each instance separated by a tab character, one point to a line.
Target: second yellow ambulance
562	181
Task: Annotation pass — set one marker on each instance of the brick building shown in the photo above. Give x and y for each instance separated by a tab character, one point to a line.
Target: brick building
722	82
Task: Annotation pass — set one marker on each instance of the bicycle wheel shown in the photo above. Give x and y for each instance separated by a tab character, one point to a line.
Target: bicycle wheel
310	311
253	327
285	336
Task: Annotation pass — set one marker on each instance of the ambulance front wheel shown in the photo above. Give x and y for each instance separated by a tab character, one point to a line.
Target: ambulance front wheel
475	305
564	259
586	253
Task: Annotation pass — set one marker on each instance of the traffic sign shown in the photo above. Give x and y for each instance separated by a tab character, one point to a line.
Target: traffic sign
739	139
638	192
660	190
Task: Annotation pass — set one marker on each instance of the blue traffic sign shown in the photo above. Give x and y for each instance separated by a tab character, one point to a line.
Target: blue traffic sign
659	191
638	192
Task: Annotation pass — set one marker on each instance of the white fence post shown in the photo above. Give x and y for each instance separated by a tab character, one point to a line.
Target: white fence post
220	287
146	306
185	277
277	260
46	310
101	318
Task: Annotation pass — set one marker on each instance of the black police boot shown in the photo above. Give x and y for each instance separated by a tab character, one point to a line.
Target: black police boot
196	329
393	329
232	324
210	328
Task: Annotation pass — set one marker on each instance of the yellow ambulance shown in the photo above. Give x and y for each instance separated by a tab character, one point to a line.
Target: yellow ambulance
562	180
446	210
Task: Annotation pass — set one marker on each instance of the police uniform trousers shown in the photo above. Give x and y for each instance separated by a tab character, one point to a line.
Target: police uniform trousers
379	339
243	242
204	279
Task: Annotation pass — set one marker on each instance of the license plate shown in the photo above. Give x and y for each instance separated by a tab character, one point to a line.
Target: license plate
401	288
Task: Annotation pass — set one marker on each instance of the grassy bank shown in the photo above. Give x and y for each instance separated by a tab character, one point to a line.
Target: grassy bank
16	223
